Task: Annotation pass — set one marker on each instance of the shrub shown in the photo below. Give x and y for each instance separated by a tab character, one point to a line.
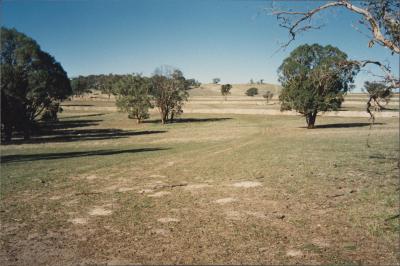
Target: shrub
252	91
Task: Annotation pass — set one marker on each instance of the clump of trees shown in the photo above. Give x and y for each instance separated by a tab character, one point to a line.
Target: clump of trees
32	83
252	91
80	85
216	80
169	90
226	90
133	96
104	83
268	96
314	79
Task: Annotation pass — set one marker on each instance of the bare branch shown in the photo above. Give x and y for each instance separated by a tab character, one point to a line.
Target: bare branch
389	78
295	27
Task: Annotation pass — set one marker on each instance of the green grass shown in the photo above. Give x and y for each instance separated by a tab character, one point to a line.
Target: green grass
327	182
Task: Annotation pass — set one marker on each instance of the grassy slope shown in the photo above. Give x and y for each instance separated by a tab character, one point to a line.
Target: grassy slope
324	195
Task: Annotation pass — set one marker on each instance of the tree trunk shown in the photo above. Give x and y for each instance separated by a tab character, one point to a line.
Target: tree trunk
7	132
164	117
138	120
27	132
171	119
310	118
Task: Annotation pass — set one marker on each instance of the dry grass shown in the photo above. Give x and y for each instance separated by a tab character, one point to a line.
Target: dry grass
210	190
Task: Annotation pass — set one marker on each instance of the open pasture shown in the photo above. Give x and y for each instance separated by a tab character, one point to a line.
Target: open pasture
208	189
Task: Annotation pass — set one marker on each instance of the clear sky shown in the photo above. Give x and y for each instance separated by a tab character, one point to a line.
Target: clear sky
233	40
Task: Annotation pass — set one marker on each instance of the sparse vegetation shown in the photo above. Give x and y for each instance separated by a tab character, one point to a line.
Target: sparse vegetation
94	180
226	90
268	96
83	184
252	91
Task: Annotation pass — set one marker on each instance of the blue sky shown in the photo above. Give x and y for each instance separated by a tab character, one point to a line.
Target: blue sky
234	40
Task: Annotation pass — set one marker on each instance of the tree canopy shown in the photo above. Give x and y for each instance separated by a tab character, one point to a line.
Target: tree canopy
32	82
226	90
314	80
169	90
133	96
252	91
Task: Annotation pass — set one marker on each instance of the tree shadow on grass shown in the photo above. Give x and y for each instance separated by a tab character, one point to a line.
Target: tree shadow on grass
189	120
84	134
80	116
49	127
66	155
66	105
346	125
68	130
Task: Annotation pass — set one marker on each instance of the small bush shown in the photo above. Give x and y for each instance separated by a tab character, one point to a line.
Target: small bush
252	91
268	96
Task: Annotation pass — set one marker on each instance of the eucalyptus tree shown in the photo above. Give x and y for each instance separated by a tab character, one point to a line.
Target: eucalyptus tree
133	96
226	90
32	81
169	90
378	20
314	79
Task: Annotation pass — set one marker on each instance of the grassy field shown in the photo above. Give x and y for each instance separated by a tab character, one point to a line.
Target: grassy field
208	99
209	189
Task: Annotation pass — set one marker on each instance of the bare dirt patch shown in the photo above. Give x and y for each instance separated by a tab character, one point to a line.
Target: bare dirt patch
158	176
294	253
159	231
260	215
159	194
79	220
247	184
143	191
196	186
168	220
92	177
233	215
125	189
225	200
100	211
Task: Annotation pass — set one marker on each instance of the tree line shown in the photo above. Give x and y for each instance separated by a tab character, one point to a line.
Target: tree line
314	79
33	84
135	94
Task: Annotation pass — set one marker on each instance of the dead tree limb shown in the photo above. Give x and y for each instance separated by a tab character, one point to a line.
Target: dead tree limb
295	26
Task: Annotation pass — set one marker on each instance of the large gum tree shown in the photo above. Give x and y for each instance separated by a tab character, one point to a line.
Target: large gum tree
32	82
314	79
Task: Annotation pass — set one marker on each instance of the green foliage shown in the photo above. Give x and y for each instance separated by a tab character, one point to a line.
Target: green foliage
80	85
192	83
133	96
50	114
268	96
32	82
226	89
378	91
315	78
104	83
252	91
169	89
216	80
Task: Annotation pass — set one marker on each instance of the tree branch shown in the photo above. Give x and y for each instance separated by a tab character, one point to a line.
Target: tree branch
294	27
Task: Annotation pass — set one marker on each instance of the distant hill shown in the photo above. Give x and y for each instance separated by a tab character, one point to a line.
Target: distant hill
237	89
